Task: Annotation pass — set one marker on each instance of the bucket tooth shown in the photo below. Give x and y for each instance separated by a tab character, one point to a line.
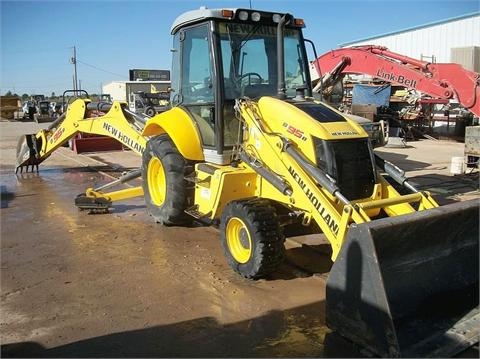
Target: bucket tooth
27	154
407	286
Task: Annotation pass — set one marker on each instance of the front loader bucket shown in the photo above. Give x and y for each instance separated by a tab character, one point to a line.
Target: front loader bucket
27	150
407	286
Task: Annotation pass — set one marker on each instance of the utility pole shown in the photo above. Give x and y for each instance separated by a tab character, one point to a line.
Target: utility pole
73	60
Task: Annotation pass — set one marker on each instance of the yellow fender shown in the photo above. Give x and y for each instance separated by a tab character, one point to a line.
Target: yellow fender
182	130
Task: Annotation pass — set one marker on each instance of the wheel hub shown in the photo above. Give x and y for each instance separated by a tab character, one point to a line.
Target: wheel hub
239	240
156	181
244	239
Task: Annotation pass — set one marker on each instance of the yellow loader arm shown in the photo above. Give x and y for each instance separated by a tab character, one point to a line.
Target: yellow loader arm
282	151
402	265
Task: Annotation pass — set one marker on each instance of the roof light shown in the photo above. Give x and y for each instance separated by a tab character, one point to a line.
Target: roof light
256	16
227	13
299	22
276	18
243	15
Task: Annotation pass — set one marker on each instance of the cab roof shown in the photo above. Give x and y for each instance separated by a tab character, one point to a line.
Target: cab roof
194	16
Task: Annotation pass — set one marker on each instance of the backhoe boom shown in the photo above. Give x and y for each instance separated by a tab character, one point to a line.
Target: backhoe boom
112	120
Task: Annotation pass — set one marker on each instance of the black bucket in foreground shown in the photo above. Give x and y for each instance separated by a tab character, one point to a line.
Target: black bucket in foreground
407	286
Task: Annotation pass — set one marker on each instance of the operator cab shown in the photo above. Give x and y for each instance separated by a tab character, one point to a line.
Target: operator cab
220	55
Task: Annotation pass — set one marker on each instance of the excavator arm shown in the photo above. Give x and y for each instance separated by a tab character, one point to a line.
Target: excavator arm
444	81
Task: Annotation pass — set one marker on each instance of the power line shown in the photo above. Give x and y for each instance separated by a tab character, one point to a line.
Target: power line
99	69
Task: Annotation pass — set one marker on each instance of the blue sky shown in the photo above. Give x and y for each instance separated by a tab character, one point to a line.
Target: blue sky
111	37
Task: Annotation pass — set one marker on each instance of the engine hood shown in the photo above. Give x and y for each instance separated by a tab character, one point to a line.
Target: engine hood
308	118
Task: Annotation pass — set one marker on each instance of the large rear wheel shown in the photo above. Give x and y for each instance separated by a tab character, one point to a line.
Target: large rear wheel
252	238
164	186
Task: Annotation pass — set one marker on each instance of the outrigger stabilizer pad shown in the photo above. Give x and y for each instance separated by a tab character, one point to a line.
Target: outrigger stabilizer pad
93	204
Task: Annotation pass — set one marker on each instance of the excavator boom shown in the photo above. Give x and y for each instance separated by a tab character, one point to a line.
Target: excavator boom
444	81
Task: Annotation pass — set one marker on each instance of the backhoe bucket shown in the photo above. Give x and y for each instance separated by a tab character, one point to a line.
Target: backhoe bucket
27	150
407	286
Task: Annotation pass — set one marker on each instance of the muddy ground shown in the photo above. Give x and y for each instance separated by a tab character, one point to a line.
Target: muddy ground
119	285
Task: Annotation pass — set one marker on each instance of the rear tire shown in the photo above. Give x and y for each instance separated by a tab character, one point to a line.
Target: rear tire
252	238
164	186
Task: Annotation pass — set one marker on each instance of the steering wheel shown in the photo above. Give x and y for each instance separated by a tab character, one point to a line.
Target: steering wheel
249	75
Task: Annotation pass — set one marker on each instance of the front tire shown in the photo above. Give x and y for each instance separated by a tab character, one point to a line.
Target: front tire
252	238
164	186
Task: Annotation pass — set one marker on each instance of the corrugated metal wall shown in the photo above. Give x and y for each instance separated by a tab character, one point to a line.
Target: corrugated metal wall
469	57
436	40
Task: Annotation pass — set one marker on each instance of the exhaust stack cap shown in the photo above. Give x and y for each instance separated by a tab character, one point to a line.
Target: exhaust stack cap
299	94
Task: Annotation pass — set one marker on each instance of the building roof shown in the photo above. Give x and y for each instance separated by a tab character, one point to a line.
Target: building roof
474	14
139	82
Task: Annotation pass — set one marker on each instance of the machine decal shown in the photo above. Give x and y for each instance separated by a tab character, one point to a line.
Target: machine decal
400	79
295	131
58	133
253	29
315	201
345	133
127	141
205	193
255	137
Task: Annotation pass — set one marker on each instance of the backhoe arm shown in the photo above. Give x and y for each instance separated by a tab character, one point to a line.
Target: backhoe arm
106	119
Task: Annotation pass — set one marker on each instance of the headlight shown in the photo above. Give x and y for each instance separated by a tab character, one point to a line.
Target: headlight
243	15
276	18
367	127
256	16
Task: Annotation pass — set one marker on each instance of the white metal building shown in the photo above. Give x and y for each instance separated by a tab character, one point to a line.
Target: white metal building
121	90
462	34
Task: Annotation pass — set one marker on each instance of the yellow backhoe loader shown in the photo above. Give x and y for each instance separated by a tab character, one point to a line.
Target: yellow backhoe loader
246	147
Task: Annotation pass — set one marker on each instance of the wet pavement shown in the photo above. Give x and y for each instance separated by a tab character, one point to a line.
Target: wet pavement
118	285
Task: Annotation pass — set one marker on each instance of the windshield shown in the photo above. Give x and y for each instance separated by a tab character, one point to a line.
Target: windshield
249	59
